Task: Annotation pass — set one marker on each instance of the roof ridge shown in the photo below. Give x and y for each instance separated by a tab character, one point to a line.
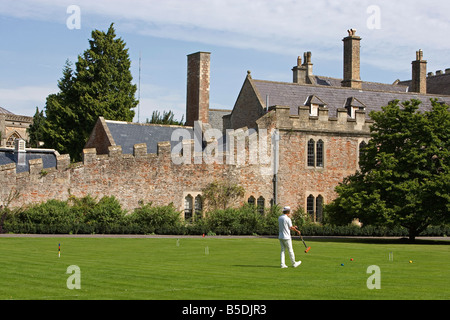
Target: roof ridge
355	89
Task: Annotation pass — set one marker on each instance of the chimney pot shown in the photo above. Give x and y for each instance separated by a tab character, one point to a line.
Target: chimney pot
302	73
419	55
19	152
19	145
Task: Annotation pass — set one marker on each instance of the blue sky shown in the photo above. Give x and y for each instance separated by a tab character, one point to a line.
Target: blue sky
264	36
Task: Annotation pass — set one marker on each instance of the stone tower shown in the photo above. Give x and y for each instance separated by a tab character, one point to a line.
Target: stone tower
197	95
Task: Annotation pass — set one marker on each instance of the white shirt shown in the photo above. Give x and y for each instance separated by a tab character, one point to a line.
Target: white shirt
284	225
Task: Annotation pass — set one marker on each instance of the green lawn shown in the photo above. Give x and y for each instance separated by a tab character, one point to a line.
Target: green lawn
218	268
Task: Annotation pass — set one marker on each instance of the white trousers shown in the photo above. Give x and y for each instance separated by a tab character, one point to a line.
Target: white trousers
286	244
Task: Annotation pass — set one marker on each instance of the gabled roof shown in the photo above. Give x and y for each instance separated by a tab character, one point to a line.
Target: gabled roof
295	95
216	117
313	99
4	111
353	102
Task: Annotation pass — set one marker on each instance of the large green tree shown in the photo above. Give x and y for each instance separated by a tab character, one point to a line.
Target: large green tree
166	118
100	85
35	129
404	177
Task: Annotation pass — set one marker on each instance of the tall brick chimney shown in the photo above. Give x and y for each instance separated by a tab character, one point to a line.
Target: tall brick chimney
419	74
197	95
352	76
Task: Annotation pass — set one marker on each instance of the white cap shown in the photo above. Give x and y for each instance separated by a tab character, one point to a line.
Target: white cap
287	208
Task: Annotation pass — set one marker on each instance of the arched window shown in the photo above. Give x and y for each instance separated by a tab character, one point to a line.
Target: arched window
319	209
251	200
198	207
319	153
314	208
362	146
311	153
10	141
315	156
188	207
261	205
310	206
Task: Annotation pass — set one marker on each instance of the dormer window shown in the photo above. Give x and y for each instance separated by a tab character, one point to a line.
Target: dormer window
352	105
314	103
314	110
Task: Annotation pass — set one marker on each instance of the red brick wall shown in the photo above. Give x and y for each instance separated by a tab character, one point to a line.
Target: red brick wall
154	177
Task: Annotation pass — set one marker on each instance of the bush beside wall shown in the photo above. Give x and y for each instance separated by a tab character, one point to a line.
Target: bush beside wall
105	216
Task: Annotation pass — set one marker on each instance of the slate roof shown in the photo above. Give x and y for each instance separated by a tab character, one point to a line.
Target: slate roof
4	111
294	95
216	118
334	82
7	156
438	84
127	134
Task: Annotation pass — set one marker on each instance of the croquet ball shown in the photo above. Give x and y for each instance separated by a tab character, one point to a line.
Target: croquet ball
342	264
351	259
410	261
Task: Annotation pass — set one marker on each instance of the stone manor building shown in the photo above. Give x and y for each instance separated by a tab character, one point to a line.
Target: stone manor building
312	130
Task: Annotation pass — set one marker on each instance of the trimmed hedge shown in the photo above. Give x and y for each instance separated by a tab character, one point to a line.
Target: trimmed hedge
105	216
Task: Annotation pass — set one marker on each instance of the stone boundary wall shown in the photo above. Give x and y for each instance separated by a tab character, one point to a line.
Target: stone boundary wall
140	176
131	178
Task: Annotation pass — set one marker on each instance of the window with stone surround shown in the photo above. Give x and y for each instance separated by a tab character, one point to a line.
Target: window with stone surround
310	206
314	208
319	209
260	205
188	205
12	138
198	204
362	146
315	153
311	152
319	153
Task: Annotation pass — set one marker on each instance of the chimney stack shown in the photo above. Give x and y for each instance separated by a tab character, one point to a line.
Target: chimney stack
352	78
303	73
197	96
19	152
419	74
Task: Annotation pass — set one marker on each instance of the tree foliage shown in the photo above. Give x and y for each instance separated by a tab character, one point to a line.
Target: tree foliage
166	118
100	85
404	177
35	133
221	194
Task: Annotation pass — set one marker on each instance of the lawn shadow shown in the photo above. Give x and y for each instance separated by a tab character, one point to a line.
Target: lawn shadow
377	240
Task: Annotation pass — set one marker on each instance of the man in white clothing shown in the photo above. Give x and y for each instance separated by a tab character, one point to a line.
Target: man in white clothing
285	226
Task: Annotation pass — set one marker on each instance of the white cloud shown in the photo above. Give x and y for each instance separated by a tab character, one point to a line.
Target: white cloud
281	26
24	100
284	27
